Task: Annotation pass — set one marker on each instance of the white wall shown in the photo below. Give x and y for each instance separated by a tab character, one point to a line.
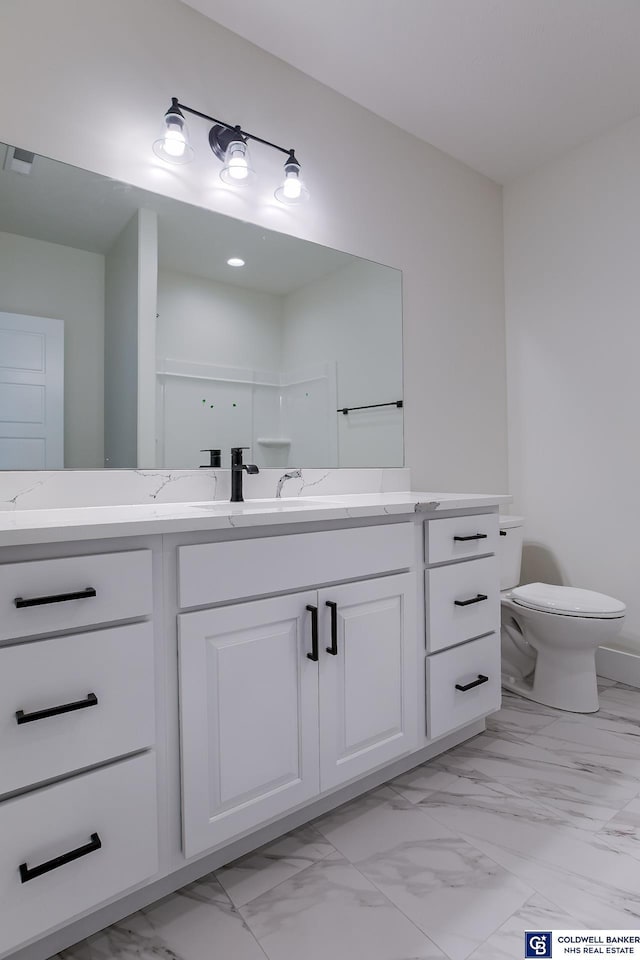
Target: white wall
572	242
147	310
117	64
352	317
49	280
204	321
215	325
121	349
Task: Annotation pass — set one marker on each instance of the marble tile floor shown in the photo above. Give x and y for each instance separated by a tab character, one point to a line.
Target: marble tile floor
533	824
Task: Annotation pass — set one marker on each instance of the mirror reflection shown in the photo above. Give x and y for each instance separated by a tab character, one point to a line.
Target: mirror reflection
138	331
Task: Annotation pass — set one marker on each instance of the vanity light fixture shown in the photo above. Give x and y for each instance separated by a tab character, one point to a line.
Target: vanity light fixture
173	143
235	262
229	144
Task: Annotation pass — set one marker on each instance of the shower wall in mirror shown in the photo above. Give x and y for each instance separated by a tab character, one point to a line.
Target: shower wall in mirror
128	339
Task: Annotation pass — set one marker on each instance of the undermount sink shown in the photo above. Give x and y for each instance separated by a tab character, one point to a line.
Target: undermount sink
292	503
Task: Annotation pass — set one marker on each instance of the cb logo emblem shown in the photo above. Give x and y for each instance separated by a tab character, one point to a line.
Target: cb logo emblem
537	944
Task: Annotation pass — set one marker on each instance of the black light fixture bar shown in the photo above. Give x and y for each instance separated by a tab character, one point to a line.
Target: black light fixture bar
229	126
371	406
229	143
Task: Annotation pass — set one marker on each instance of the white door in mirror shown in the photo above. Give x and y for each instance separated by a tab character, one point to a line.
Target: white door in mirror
31	392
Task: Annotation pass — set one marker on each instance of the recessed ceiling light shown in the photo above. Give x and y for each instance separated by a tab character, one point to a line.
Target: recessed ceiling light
235	262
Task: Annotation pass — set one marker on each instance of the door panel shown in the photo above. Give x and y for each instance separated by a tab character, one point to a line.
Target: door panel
249	716
31	392
368	693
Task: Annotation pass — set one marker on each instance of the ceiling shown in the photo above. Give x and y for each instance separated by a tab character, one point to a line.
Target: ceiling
62	204
503	85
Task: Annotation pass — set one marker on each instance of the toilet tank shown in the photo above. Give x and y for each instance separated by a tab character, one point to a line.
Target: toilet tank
510	551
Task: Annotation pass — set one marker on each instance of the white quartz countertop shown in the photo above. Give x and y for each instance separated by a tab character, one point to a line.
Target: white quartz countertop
85	523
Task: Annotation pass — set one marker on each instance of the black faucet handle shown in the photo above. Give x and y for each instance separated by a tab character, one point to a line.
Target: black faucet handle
251	468
236	457
215	457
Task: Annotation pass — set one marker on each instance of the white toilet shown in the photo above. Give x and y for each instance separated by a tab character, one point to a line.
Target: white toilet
550	634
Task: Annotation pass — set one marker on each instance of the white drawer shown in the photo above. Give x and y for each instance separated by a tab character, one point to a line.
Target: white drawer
121	581
456	538
217	572
106	675
474	666
116	803
462	602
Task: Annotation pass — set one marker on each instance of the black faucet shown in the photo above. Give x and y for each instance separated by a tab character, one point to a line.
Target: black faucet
237	467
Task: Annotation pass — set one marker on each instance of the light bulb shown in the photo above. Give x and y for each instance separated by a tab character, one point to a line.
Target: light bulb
292	188
237	166
173	143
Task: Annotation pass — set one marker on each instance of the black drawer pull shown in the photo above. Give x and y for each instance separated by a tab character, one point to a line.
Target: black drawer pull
477	599
474	683
314	633
30	873
56	598
333	649
473	536
90	701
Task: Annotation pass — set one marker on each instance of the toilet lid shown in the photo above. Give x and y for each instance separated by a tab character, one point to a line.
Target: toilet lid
568	601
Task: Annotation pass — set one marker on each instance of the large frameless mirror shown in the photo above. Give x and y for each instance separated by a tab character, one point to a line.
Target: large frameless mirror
138	331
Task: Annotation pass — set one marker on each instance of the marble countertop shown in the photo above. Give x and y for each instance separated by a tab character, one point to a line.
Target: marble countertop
85	523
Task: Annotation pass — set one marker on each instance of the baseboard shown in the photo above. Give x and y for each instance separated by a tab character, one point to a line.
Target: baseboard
620	665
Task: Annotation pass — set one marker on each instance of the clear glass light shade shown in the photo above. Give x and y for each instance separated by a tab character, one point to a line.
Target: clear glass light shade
237	169
292	189
173	143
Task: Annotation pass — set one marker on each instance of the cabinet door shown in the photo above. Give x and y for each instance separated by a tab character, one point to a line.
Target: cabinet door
368	688
248	717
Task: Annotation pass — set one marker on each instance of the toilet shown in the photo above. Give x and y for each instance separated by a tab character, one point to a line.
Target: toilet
550	634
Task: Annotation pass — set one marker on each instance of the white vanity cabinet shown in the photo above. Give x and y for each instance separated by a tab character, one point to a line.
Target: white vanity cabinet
462	621
78	791
171	702
285	698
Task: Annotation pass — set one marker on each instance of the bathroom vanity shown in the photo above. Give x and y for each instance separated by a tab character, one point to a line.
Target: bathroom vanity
183	682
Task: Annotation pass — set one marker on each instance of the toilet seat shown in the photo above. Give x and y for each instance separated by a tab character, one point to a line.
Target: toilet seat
568	601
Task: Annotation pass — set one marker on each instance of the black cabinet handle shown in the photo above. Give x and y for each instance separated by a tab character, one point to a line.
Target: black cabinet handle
477	599
30	873
90	701
503	533
333	649
314	633
56	598
474	683
473	536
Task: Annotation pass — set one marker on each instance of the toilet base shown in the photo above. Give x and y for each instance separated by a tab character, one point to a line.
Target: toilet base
524	690
574	691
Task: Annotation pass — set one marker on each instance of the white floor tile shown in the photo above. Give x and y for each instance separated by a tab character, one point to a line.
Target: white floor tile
533	824
196	923
622	832
456	896
253	875
508	942
331	911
